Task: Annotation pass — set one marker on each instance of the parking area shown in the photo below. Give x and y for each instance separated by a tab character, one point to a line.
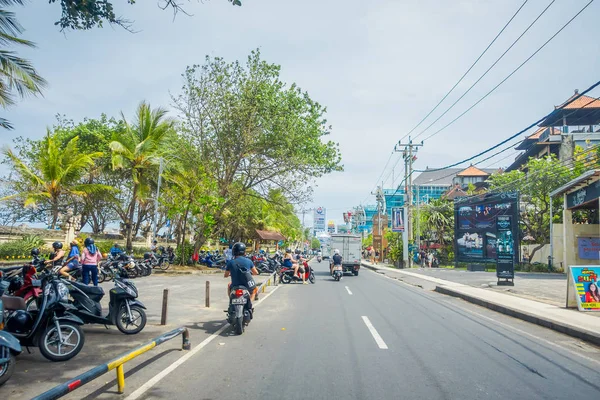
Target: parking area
186	307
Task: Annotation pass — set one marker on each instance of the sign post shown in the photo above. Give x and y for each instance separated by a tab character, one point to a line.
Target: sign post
505	243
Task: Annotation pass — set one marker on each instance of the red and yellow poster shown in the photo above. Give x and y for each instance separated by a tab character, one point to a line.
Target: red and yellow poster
585	279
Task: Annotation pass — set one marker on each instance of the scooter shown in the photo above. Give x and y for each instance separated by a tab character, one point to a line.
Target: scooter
287	275
52	327
123	310
9	345
338	272
319	259
239	314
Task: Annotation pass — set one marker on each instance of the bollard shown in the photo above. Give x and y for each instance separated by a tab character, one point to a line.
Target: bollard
121	378
207	300
163	316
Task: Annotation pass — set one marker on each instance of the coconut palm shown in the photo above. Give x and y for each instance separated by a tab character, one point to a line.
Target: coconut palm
137	152
55	177
16	74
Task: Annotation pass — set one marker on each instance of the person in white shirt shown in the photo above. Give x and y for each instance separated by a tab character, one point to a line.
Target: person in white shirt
228	254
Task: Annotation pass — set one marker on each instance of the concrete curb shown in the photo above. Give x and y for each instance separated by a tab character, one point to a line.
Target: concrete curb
585	335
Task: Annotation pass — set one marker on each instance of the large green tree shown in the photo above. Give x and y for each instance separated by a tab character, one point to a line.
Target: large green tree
252	132
137	151
54	178
543	176
18	78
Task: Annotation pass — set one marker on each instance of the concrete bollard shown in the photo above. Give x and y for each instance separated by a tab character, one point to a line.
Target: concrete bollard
163	316
207	299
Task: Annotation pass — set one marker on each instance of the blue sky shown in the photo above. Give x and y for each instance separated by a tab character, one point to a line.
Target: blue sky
378	65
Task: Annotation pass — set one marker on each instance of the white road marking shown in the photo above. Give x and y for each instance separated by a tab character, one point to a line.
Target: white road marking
349	292
374	333
158	377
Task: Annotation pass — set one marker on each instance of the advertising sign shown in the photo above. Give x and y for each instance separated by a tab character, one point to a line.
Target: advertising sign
331	226
397	219
585	280
479	235
588	248
584	195
319	216
505	247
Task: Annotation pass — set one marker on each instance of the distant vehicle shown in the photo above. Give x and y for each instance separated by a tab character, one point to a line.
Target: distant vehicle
350	247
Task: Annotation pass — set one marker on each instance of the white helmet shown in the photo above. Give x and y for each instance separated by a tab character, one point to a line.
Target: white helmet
336	251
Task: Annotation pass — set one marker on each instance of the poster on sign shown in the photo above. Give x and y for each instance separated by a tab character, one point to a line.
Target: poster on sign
585	283
588	248
397	219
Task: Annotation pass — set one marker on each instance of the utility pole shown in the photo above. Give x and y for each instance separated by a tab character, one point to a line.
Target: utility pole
410	149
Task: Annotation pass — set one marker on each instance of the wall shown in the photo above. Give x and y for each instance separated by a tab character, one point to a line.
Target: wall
579	230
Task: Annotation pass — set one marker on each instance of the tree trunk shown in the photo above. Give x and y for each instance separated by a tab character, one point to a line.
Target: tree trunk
535	249
129	222
182	260
54	214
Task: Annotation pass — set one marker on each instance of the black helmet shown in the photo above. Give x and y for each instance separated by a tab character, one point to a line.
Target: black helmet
116	245
88	241
288	251
35	252
238	249
19	321
155	241
297	251
57	245
161	248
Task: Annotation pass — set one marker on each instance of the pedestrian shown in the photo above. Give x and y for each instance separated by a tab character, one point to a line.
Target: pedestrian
376	256
429	259
89	261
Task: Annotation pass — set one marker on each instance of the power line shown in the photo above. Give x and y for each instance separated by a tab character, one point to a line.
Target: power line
520	132
468	70
489	69
380	175
511	74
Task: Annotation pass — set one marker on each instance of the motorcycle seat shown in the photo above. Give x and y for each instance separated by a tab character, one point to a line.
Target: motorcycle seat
92	290
13	303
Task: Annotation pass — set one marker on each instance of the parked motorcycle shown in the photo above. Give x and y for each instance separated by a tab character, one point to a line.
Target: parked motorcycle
9	345
123	310
239	314
53	327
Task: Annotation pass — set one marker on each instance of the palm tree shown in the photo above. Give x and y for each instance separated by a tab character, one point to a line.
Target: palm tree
55	177
16	74
137	151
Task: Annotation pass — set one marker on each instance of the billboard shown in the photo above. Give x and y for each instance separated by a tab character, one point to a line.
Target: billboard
486	230
319	216
397	219
585	279
331	226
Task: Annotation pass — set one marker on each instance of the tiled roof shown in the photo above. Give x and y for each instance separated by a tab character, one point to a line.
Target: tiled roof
472	171
581	102
269	235
538	133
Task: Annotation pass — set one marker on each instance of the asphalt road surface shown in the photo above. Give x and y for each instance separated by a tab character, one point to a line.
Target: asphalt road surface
372	337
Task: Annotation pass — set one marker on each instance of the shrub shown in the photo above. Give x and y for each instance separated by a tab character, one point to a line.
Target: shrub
21	247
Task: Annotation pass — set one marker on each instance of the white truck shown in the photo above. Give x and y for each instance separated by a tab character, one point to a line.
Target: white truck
350	247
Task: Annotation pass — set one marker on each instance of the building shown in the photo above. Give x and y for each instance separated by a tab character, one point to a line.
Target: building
432	185
569	126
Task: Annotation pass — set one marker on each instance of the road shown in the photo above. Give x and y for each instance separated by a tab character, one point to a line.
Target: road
372	337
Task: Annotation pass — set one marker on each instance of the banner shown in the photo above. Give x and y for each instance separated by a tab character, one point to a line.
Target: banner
585	280
589	248
505	248
397	219
331	226
319	217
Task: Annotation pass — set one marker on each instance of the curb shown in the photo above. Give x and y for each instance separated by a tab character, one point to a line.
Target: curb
588	336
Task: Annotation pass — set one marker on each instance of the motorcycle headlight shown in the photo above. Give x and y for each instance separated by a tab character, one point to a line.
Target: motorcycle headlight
63	292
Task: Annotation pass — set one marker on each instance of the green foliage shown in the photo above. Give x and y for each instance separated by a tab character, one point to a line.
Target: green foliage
20	248
315	244
437	221
368	241
396	249
18	78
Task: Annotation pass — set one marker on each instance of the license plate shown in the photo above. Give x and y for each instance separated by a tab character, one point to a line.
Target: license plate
36	283
241	300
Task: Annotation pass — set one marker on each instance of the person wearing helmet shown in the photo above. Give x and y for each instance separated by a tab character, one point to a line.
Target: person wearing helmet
89	261
299	266
72	262
337	260
238	269
58	255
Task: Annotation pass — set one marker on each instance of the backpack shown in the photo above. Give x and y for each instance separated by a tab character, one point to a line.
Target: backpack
246	275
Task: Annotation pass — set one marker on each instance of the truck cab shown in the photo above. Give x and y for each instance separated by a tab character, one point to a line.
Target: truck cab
350	247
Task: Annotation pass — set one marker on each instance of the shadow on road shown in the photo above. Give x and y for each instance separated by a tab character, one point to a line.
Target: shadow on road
209	327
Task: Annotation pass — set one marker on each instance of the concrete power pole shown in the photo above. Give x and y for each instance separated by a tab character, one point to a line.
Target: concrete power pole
410	149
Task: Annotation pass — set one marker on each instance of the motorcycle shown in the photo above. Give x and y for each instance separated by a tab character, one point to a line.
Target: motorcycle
338	272
239	314
123	310
319	259
9	345
52	327
287	275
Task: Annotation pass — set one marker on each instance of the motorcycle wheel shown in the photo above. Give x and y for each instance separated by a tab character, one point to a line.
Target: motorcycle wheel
285	278
238	325
49	339
164	265
132	273
131	327
7	369
108	275
311	278
101	276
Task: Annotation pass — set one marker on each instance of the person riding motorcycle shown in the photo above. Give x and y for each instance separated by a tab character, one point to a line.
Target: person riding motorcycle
72	260
336	260
57	256
237	269
299	266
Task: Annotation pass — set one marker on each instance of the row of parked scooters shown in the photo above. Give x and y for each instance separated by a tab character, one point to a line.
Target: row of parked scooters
40	308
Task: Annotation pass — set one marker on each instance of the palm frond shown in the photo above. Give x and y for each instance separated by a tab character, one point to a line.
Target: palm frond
18	74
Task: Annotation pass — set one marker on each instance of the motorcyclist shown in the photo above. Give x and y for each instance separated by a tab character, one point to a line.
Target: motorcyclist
57	256
299	266
72	262
237	269
116	250
337	260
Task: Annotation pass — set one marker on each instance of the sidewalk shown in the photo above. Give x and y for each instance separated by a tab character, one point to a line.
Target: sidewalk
585	326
